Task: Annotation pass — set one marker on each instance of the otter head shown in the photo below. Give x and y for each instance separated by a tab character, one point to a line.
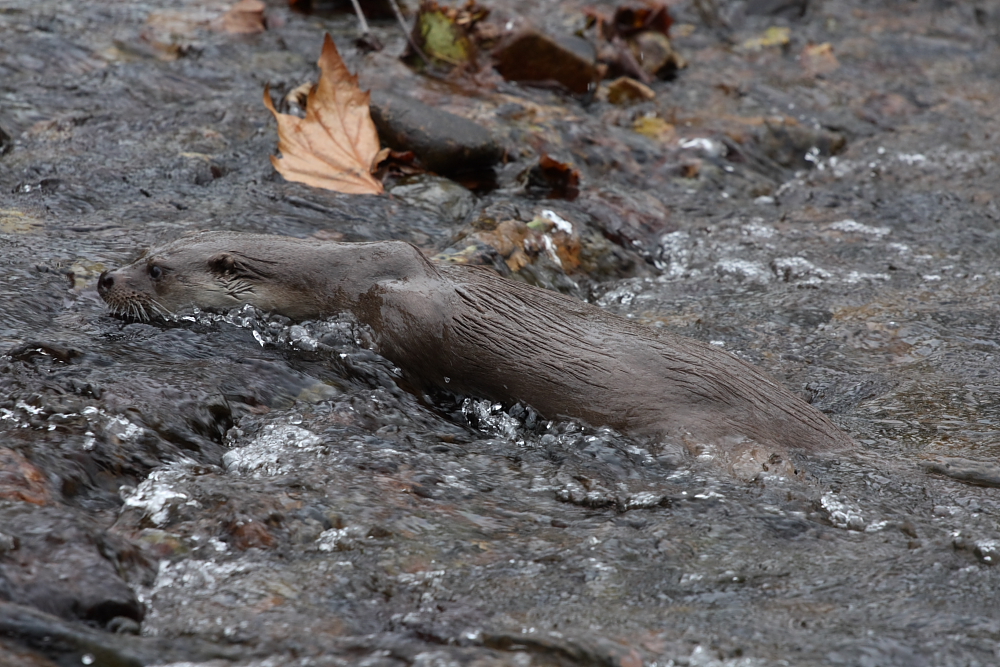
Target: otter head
189	272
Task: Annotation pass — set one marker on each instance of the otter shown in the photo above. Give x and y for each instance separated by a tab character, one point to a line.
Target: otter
467	330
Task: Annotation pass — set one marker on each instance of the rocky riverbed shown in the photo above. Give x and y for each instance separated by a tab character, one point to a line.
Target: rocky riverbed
814	190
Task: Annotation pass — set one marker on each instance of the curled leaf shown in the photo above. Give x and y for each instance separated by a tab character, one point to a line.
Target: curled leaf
335	145
557	180
632	18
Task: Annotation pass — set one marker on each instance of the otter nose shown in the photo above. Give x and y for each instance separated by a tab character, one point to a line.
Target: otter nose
105	283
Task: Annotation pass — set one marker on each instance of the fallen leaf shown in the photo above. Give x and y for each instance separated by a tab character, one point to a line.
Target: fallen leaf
397	163
21	480
440	36
448	35
517	244
296	100
558	180
335	145
246	17
248	534
631	659
171	33
773	36
634	41
13	221
654	128
630	19
624	90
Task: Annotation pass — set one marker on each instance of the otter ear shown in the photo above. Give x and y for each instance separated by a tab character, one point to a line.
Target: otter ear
235	265
223	263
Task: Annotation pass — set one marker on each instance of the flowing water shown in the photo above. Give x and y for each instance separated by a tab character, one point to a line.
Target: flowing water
239	489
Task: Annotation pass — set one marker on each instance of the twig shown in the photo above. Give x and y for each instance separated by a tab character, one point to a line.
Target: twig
361	17
408	32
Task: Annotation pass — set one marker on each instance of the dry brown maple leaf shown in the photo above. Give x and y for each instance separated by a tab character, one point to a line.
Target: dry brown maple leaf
335	145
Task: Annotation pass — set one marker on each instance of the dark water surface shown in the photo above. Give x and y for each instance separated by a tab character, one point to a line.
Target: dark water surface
235	490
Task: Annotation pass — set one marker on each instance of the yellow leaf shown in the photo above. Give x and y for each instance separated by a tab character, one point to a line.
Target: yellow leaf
773	36
654	128
335	145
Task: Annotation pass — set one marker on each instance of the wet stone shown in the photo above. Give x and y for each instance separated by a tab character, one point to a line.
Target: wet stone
7	543
435	194
579	650
529	529
630	218
988	551
444	142
123	625
531	57
798	146
783	8
6	143
655	54
798	270
66	644
64	566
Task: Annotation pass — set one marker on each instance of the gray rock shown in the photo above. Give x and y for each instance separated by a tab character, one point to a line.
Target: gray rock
6	143
798	146
438	195
444	142
65	565
68	643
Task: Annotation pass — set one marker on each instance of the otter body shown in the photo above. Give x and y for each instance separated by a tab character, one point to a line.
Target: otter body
470	331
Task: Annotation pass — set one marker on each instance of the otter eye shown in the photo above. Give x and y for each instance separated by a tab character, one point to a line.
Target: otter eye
155	272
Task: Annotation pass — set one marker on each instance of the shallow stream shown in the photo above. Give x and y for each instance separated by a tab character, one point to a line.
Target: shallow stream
239	490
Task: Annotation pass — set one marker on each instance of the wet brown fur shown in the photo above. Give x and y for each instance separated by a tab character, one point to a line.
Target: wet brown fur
473	332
